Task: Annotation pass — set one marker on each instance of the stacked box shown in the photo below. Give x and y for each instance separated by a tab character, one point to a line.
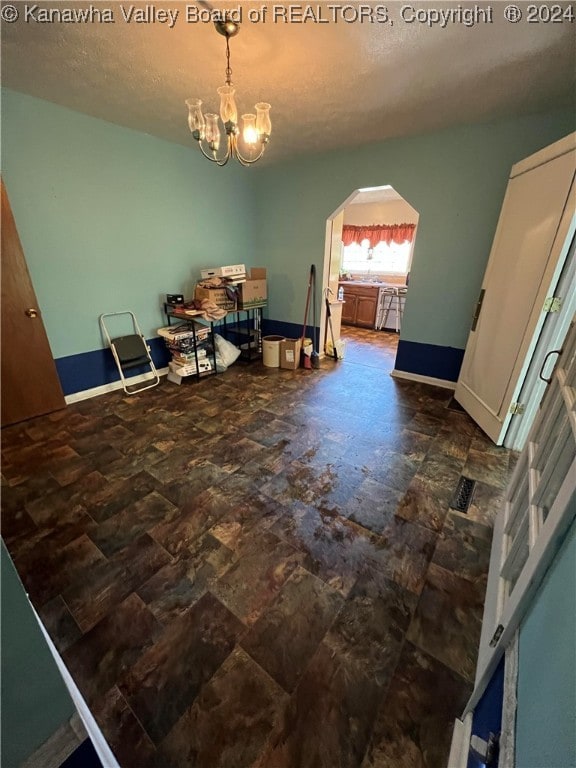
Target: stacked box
218	295
290	353
191	350
253	292
190	369
233	270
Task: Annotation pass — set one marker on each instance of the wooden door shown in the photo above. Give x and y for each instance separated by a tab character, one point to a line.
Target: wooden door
30	383
530	240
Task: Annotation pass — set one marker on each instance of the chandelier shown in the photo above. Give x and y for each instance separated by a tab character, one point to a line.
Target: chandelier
205	129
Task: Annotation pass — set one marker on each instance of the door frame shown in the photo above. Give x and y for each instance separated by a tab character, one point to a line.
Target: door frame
329	245
329	242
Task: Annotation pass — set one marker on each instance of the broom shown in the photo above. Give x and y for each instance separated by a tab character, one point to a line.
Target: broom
329	316
304	359
315	357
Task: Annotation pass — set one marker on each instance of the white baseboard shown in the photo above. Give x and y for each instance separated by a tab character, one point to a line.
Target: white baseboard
86	394
445	383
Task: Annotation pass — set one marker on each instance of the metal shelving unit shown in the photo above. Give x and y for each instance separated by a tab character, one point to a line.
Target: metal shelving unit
245	331
193	322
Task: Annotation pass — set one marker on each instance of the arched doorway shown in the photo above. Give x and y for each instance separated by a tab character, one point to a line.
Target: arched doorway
374	270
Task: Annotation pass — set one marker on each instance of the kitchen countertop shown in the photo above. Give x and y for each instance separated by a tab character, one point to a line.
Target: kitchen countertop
372	283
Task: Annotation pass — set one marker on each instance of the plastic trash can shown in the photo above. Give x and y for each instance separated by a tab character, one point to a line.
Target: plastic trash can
271	351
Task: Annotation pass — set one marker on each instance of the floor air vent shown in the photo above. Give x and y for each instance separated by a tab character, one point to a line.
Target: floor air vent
463	494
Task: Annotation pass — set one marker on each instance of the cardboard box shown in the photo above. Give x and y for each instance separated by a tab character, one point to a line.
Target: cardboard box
190	369
218	295
253	293
233	270
290	353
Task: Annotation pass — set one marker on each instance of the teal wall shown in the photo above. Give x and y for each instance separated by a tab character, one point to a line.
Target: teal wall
455	179
35	701
111	219
546	714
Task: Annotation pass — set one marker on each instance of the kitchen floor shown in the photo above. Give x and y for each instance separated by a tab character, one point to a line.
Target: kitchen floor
375	349
261	569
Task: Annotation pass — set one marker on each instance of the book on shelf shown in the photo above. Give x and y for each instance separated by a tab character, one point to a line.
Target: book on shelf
184	331
189	359
191	369
182	312
174	332
180	348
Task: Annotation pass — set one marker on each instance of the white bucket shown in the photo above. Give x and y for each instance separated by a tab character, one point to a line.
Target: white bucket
271	351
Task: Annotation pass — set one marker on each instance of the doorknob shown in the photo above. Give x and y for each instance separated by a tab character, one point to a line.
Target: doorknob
541	374
31	312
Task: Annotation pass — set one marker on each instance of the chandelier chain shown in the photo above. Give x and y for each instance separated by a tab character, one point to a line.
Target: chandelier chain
228	68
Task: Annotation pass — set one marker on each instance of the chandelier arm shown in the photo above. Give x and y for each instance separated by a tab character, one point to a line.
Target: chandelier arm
245	161
212	157
235	151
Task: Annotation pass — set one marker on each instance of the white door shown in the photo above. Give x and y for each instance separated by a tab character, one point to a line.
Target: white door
538	509
530	241
539	506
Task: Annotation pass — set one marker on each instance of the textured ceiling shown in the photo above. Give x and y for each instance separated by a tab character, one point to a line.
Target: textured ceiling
331	83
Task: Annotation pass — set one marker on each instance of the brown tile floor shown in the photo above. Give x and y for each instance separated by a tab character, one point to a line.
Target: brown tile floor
261	569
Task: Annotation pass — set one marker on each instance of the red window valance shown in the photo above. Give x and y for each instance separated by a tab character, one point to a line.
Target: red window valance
378	233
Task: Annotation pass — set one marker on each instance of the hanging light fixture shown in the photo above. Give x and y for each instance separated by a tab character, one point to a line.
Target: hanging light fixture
256	128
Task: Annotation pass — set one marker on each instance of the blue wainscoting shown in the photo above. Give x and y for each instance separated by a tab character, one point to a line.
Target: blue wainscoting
288	330
88	370
429	360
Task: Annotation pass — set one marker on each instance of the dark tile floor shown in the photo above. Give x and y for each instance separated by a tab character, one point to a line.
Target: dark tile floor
261	569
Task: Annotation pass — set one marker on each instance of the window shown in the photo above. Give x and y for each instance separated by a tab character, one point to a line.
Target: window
393	258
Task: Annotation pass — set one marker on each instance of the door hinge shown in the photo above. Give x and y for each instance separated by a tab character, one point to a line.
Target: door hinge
552	304
486	751
517	409
478	309
496	636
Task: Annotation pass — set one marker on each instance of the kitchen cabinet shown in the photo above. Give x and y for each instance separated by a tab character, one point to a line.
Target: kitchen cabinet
360	304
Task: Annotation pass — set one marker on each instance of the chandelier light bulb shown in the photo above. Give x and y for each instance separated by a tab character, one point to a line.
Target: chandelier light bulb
249	134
